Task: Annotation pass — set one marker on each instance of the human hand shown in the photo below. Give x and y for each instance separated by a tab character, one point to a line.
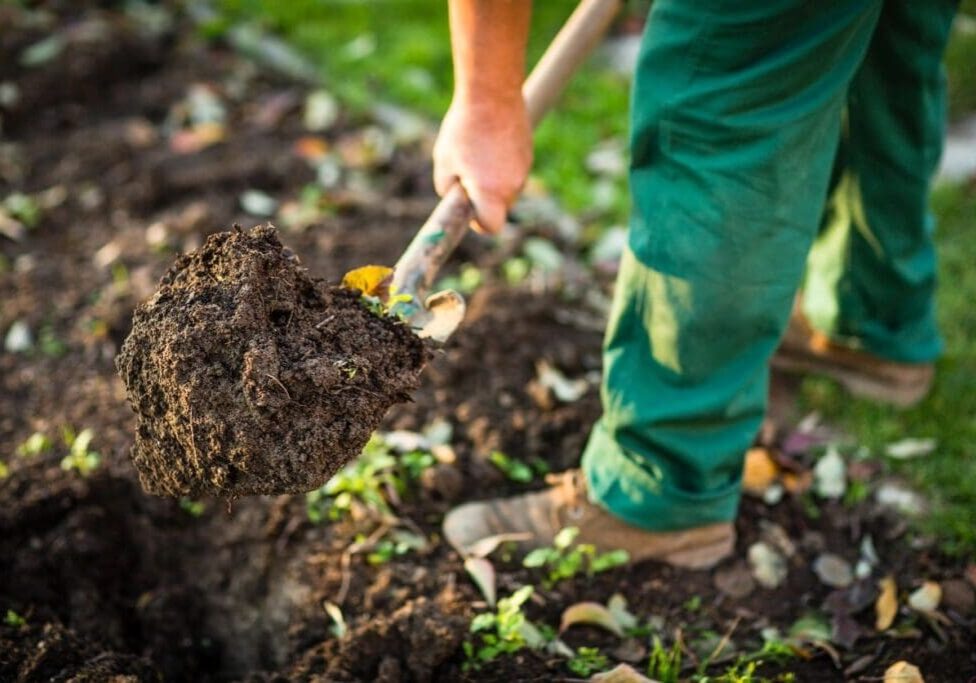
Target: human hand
486	146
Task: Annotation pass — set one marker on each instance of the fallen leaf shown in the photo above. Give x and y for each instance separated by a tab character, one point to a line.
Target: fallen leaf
370	280
886	608
19	338
321	110
833	570
830	475
760	471
335	614
311	148
591	613
797	482
563	388
43	51
768	566
617	604
811	628
258	203
900	498
910	448
926	598
622	673
903	672
200	136
482	573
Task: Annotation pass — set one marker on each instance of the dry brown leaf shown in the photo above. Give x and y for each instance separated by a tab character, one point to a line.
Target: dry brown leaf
370	280
760	471
592	613
311	148
903	672
886	606
797	482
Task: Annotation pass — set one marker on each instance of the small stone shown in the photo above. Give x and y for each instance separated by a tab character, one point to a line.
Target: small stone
736	581
833	570
768	566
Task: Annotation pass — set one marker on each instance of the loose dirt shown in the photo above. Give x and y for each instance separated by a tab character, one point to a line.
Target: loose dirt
250	377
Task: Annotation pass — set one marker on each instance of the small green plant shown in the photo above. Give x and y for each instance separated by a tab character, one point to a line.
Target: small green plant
367	482
15	620
504	631
564	560
80	458
513	468
587	661
35	444
49	344
398	543
664	665
194	508
22	207
693	604
4	470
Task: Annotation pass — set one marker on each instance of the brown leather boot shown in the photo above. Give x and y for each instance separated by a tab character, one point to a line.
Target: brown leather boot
808	351
539	516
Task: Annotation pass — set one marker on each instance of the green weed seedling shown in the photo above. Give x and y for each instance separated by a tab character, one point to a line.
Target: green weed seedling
15	620
513	468
366	483
664	665
35	444
564	560
504	631
588	661
194	508
80	458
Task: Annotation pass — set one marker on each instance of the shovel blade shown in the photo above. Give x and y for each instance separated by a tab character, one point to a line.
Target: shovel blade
444	312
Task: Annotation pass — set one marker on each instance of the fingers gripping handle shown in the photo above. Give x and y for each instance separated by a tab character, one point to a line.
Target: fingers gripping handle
433	244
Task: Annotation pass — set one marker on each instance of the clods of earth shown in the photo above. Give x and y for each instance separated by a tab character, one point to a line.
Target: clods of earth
249	377
128	141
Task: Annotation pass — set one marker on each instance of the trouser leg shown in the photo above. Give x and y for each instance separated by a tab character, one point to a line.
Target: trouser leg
735	121
872	273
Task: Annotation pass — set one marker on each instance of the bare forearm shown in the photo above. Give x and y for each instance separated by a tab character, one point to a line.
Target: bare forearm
488	40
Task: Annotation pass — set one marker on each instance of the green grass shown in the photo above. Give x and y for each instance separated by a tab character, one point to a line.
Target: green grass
948	476
399	51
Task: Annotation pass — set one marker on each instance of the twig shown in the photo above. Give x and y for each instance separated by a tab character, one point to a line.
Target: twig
346	559
722	643
278	382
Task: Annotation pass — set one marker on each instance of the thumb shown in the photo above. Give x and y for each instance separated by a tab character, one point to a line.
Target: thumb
489	211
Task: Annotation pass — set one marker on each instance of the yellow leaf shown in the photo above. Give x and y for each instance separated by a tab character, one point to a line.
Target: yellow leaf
370	280
760	471
903	672
886	606
592	613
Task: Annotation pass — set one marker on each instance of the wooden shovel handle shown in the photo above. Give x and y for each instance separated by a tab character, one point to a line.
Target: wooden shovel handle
434	242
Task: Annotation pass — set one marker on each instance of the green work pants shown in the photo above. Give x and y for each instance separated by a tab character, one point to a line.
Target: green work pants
756	126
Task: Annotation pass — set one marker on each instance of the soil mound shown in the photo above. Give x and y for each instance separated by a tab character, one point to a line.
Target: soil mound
250	377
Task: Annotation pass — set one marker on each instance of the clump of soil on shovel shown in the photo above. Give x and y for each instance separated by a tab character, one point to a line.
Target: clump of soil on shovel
250	377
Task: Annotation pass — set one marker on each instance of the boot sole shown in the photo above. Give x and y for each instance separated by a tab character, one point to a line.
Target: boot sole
859	384
701	556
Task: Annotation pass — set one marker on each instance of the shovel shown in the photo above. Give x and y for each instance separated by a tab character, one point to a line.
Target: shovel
437	315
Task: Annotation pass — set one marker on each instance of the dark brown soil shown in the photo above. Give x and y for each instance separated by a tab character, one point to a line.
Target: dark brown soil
249	377
114	582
